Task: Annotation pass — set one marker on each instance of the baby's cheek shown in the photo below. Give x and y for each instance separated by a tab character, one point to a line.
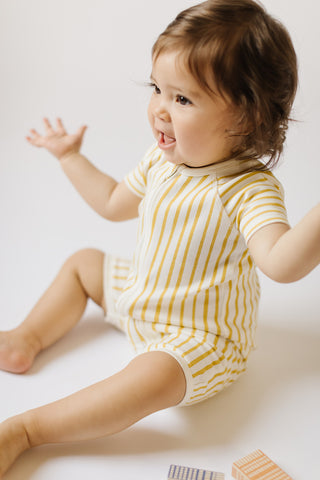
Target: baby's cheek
150	114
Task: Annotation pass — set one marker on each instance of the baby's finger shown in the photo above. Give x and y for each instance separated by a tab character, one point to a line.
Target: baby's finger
35	140
81	130
47	125
34	132
60	126
30	140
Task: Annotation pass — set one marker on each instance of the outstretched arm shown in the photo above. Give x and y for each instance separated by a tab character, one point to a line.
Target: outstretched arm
110	199
288	254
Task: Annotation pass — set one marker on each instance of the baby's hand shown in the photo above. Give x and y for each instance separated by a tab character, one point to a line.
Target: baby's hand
58	141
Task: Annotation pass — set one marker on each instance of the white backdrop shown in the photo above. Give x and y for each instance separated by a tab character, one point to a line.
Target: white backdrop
86	61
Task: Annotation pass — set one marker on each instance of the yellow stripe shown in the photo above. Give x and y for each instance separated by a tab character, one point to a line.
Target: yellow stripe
250	287
175	337
191	336
218	327
129	333
210	365
187	248
134	188
244	316
207	367
234	321
210	393
251	219
189	285
224	244
209	255
205	315
178	247
216	312
159	270
142	339
160	237
226	316
195	264
199	344
260	205
226	263
258	197
138	181
240	275
208	353
242	180
144	182
156	210
268	222
202	280
118	277
204	355
227	370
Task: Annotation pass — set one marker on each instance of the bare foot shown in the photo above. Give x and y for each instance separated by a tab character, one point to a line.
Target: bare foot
16	353
13	441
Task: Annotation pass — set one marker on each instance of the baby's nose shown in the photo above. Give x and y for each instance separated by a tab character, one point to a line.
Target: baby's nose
162	113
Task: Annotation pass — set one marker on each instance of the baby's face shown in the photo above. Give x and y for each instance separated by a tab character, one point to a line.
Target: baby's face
190	125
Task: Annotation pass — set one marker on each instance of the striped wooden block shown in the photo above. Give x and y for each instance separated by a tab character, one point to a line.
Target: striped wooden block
257	466
177	472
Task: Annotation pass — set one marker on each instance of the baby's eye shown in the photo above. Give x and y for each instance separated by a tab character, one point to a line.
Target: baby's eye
155	88
183	100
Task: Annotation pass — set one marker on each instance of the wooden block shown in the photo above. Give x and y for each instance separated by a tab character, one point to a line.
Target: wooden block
177	472
257	466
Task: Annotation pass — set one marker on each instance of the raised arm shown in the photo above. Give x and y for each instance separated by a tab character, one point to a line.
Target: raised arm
110	199
288	254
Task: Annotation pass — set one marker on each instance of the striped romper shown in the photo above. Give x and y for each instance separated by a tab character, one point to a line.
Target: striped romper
192	289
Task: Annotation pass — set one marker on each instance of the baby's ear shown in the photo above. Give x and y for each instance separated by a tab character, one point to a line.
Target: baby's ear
241	124
247	121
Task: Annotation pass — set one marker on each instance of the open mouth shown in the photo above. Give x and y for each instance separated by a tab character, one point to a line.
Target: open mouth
165	141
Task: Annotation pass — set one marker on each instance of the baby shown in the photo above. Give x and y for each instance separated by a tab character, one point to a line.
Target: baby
223	80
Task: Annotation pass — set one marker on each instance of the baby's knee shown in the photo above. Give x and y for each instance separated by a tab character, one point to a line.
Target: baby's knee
86	266
83	259
162	380
75	260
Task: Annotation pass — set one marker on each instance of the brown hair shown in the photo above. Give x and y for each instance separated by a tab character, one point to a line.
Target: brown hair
251	59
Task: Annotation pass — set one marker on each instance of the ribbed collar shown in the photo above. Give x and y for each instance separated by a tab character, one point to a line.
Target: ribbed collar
222	169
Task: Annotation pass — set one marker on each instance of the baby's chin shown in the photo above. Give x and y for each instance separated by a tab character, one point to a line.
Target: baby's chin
173	158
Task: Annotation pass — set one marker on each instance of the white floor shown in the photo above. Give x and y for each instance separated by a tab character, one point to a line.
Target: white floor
274	406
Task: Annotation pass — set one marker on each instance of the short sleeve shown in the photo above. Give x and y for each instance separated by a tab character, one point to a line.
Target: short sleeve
136	180
261	203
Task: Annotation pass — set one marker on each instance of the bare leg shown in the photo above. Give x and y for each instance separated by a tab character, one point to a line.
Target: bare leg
151	382
58	311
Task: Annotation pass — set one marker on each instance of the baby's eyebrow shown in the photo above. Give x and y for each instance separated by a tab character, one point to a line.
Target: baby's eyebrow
188	92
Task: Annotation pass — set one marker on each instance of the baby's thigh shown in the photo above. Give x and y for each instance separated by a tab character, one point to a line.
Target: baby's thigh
210	363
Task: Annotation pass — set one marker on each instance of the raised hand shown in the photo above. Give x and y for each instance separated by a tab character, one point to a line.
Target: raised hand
57	141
